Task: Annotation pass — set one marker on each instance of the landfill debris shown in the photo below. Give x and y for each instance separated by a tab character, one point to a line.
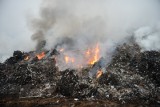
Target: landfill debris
132	77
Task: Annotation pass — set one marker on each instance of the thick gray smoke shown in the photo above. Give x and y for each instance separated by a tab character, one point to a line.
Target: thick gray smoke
86	22
79	24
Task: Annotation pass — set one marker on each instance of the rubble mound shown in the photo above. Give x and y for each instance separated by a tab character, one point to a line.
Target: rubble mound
129	76
132	76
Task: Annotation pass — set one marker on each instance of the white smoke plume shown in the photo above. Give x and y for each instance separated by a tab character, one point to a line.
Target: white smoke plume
79	24
89	21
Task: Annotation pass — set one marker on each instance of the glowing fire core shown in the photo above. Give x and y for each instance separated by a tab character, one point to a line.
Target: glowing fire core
91	56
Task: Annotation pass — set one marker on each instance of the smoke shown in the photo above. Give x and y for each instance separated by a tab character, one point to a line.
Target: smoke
79	24
89	21
148	37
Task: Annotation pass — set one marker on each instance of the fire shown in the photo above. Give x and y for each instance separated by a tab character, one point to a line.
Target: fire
26	58
66	59
93	55
41	55
99	73
69	59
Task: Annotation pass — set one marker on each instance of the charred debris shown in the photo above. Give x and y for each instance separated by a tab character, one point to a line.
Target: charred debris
132	76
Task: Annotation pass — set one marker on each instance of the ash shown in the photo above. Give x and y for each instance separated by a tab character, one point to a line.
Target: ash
132	76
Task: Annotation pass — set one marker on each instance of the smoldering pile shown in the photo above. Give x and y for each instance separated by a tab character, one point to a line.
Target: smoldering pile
132	76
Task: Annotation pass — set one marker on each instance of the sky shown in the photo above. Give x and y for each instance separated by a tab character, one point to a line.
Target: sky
14	29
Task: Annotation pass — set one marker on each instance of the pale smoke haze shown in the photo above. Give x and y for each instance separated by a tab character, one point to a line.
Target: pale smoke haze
78	24
89	21
14	30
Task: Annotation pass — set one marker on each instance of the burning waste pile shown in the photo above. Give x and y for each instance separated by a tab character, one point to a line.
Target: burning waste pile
89	49
131	76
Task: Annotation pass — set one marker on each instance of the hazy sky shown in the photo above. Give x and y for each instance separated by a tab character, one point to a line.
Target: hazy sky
14	20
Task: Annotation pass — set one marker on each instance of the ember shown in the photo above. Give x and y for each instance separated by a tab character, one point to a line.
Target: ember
93	54
99	73
69	59
41	55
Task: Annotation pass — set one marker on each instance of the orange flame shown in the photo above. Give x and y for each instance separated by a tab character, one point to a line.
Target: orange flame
41	55
26	58
93	55
69	59
99	73
66	59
